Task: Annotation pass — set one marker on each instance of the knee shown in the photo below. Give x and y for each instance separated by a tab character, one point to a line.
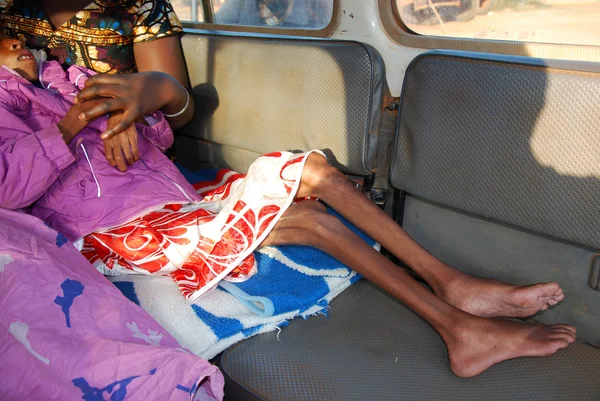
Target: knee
311	221
321	226
307	223
319	175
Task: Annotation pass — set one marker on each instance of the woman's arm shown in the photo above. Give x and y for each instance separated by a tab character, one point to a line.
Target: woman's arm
171	61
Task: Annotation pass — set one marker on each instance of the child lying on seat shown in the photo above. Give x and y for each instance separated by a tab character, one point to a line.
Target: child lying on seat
149	220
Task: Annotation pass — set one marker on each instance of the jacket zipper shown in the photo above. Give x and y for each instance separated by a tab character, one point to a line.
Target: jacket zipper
12	71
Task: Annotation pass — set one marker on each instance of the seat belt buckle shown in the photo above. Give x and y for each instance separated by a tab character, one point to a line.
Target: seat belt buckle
379	196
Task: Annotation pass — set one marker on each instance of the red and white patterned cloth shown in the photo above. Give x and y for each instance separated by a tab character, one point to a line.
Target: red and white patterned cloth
201	243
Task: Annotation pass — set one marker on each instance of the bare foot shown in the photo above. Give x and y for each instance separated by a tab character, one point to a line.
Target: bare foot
492	298
481	343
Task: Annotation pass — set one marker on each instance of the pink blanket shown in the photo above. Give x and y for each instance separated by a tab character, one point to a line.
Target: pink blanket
66	333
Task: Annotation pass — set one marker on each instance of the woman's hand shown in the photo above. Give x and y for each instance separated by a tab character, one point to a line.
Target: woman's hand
71	125
121	149
136	95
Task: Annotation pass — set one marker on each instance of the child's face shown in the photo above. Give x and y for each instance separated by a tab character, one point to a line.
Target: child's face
14	55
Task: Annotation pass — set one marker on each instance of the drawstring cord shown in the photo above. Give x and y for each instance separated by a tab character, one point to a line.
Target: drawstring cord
91	168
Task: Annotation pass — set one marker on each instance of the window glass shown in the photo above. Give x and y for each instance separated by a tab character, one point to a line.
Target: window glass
297	14
549	21
188	10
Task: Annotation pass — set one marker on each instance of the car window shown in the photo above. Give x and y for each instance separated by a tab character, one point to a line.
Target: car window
548	21
188	10
292	14
298	14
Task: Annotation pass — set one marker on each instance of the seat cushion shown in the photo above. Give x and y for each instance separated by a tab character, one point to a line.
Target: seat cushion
371	347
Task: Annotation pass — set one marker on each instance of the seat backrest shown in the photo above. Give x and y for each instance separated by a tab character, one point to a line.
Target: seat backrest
256	95
517	142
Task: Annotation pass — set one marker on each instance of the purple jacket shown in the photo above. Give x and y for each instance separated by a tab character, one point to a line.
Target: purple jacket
73	188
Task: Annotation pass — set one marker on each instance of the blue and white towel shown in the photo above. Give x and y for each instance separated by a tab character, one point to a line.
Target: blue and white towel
291	281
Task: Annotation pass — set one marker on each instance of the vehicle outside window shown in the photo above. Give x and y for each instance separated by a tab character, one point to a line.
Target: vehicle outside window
188	10
292	14
548	21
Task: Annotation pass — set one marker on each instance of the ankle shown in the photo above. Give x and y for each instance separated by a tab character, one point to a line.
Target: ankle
440	277
457	328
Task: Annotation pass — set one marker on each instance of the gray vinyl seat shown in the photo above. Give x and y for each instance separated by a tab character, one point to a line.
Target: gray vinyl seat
256	95
515	142
372	348
480	185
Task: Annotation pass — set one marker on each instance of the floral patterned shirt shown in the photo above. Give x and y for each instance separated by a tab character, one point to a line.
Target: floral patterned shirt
100	37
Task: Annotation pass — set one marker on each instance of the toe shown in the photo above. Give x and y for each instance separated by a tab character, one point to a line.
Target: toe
552	290
545	290
568	335
562	337
560	343
551	345
568	327
563	331
552	287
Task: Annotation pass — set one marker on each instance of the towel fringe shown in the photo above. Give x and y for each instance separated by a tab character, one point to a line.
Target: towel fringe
324	311
277	326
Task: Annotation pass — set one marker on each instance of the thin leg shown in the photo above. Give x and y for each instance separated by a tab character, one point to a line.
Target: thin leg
485	297
474	343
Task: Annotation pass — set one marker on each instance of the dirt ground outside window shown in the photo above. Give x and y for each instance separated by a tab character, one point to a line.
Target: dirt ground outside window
548	21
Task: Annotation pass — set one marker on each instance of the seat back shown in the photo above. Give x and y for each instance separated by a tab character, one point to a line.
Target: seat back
256	95
514	142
